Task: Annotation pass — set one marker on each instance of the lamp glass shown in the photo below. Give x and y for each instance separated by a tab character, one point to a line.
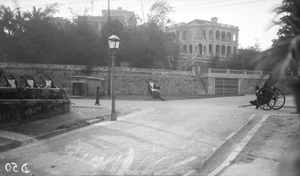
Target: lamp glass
113	42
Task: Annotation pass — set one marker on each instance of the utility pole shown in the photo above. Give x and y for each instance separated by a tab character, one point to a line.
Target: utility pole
92	2
108	53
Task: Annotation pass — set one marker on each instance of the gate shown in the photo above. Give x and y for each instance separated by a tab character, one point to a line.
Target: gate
225	86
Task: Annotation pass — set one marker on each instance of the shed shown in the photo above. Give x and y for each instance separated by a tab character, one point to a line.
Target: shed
87	86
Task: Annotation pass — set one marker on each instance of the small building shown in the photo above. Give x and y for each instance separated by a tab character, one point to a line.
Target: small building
97	22
87	86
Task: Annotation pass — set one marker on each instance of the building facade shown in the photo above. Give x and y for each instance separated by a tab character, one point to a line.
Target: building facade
97	22
202	39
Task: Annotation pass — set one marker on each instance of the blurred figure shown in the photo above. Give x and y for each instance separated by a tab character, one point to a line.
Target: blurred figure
97	96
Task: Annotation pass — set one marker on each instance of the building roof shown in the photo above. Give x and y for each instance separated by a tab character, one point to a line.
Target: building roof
198	21
202	22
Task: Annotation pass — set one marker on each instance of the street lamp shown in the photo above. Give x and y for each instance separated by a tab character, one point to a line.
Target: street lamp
113	42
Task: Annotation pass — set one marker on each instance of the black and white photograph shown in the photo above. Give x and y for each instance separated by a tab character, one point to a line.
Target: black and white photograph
149	87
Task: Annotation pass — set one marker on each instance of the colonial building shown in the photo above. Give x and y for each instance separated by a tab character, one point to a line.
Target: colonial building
97	22
202	39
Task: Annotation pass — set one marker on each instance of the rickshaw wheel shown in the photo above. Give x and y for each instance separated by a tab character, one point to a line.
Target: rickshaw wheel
146	94
279	99
265	99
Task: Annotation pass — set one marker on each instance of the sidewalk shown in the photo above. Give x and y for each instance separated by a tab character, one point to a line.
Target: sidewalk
267	150
13	136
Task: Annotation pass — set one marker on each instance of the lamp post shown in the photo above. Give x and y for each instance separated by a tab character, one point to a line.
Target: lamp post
108	55
113	42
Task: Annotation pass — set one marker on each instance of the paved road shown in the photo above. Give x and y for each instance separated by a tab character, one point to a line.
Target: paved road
170	137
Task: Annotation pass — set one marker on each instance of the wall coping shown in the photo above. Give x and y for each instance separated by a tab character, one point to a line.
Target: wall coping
96	68
227	73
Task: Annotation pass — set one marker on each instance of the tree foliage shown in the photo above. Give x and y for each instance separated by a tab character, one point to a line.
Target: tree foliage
289	21
159	12
33	37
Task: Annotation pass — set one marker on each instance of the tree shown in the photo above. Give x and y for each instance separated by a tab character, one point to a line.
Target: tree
289	21
147	46
159	12
33	37
7	17
80	44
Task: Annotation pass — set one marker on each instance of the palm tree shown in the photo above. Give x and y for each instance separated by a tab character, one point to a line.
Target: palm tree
289	20
7	17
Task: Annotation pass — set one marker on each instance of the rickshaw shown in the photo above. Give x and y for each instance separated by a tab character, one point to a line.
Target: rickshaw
152	90
269	96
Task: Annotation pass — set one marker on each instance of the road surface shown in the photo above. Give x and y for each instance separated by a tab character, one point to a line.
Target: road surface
164	138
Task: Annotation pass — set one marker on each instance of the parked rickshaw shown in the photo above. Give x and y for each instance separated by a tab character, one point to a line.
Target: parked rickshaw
269	96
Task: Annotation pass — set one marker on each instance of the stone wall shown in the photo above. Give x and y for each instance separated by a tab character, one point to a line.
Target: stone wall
18	105
20	111
127	80
133	80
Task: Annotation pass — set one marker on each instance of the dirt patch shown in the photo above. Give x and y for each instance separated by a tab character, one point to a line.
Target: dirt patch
272	141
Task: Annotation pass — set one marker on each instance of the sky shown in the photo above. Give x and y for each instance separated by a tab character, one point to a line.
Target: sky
253	17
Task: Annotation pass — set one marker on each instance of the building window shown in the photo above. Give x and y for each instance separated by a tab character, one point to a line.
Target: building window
217	49
184	49
210	35
223	36
234	37
223	49
200	49
234	50
199	34
228	50
228	36
210	48
191	49
218	35
203	34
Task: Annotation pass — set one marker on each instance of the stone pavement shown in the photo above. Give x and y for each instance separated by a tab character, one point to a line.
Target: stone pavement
172	137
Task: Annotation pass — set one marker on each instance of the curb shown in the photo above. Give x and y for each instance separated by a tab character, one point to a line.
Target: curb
99	107
240	146
15	144
228	142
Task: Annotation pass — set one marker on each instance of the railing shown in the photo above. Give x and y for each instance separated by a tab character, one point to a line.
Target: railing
236	71
253	72
227	25
218	71
244	73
